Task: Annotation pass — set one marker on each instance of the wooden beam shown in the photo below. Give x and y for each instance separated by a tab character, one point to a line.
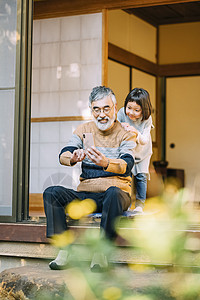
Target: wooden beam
177	20
127	58
60	119
59	8
179	69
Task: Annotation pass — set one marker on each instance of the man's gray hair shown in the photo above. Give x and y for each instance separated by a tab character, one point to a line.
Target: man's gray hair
100	92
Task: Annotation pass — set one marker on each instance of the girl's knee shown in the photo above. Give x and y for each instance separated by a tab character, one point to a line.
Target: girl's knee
141	177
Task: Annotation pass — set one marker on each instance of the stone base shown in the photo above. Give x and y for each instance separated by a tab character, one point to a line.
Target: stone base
31	283
41	283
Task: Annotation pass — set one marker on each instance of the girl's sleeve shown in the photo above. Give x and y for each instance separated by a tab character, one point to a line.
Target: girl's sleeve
143	138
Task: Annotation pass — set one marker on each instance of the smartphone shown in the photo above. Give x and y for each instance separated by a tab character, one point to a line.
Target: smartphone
88	140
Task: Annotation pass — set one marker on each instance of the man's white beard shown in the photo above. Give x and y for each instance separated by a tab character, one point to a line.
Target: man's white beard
105	126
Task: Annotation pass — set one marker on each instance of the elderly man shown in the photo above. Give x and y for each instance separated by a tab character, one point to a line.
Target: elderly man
106	171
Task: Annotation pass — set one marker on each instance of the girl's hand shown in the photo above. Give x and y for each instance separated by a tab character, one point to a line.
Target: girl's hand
125	125
97	157
130	128
77	156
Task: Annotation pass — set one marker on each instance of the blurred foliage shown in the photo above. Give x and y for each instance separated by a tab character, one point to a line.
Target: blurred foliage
160	235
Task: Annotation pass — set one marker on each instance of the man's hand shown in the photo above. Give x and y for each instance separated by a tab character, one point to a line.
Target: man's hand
77	155
97	157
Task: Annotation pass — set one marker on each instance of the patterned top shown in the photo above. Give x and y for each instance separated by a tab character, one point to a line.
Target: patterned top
143	150
116	144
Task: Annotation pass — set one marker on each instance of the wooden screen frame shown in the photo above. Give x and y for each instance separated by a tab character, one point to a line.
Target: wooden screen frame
44	9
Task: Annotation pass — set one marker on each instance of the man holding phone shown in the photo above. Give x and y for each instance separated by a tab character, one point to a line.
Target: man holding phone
105	150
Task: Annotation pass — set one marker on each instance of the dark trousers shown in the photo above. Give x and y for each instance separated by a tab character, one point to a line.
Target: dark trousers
110	203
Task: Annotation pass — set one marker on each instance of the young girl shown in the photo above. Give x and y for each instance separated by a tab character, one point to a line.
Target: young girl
135	116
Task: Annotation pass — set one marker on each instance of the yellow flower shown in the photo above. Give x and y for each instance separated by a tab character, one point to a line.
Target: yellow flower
78	209
112	293
63	239
88	206
74	210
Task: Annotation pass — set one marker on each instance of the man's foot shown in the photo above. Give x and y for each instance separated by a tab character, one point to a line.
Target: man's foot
99	263
61	261
133	212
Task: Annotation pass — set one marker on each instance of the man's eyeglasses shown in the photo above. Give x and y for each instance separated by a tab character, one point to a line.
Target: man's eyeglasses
106	110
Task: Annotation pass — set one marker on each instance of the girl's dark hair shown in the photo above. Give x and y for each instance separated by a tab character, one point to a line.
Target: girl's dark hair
142	98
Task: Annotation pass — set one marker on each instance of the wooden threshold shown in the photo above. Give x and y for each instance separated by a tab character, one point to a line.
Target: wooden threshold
36	206
36	233
33	233
21	232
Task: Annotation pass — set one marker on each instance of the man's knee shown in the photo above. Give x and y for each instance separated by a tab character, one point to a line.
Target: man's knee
51	193
114	191
46	193
114	195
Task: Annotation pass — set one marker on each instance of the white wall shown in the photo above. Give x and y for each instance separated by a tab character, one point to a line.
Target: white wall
182	126
119	81
132	34
179	43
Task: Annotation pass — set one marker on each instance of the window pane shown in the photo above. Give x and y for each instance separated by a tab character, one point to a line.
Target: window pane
8	38
6	150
